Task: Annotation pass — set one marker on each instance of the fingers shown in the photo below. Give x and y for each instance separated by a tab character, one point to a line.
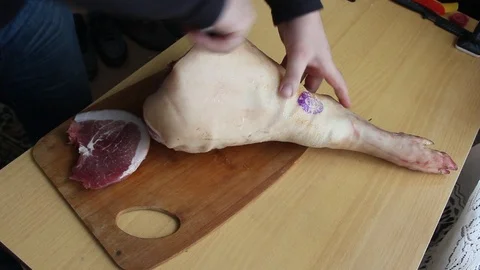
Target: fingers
296	72
295	68
335	79
284	65
217	43
312	83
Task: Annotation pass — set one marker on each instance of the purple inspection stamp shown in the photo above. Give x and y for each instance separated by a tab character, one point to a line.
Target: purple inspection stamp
310	103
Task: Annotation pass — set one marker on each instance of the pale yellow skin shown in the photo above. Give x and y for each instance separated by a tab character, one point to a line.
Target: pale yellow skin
213	100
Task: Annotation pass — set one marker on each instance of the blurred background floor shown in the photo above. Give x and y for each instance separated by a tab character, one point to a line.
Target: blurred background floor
108	77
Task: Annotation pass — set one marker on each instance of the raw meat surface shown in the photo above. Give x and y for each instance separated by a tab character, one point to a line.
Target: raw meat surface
111	143
211	101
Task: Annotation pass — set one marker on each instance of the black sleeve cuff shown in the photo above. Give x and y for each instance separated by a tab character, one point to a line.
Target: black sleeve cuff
286	10
204	14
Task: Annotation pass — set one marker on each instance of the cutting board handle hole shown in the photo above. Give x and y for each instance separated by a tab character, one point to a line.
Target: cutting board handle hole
147	222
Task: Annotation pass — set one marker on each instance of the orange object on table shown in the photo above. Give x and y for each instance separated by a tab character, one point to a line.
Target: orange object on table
437	7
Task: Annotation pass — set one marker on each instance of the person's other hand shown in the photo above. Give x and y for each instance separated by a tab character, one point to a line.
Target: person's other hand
308	54
230	29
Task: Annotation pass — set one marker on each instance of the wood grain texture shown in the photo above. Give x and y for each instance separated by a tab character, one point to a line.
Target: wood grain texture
333	209
200	190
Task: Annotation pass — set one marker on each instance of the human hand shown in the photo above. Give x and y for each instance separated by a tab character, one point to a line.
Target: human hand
230	29
308	54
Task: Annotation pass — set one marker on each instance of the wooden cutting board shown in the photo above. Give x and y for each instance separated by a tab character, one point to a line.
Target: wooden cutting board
200	190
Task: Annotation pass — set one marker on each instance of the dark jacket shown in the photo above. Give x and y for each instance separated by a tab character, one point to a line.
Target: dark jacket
196	14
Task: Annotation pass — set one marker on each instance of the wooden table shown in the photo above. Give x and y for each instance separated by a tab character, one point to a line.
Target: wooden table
334	209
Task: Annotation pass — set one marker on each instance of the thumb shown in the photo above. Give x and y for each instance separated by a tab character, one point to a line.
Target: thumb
296	65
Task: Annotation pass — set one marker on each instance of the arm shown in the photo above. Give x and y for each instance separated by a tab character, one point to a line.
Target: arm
229	19
193	14
286	10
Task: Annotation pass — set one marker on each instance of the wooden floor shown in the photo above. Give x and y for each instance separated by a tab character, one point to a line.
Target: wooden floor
108	77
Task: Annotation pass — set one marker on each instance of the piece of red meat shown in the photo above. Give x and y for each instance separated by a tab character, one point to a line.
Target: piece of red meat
112	144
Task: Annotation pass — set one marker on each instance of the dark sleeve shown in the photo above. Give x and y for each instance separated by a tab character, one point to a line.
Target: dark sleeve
196	14
285	10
